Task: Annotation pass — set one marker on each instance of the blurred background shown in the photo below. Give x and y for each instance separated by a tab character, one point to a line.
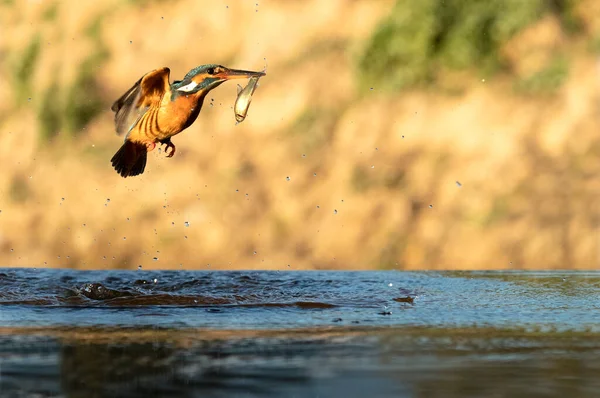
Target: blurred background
430	134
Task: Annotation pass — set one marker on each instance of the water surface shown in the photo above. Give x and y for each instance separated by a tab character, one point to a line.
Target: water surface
181	333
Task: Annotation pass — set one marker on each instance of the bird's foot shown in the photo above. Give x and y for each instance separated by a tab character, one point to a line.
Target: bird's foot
170	149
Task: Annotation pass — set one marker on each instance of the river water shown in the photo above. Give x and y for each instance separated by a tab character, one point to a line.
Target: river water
299	334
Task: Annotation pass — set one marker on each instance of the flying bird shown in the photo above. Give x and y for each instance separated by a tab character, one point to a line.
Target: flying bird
154	110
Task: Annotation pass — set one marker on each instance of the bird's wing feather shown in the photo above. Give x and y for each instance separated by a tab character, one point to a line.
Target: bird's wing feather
127	113
148	91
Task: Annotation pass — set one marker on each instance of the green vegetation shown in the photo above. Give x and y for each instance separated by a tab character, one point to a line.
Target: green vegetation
82	99
23	68
51	12
499	211
419	37
391	252
594	44
363	179
19	190
49	113
65	107
69	109
314	127
546	80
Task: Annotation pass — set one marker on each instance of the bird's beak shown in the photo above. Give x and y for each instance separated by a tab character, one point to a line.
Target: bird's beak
230	74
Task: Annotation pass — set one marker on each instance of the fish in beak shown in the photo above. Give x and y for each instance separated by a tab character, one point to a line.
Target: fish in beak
242	103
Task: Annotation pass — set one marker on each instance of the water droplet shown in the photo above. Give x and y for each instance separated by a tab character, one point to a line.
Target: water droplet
376	149
431	206
124	238
255	252
288	178
187	224
155	280
334	211
139	267
84	225
373	166
458	184
303	155
155	258
108	200
402	136
130	41
62	199
185	236
314	174
318	207
391	284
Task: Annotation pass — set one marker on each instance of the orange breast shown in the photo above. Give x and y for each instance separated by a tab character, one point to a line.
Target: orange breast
176	116
168	119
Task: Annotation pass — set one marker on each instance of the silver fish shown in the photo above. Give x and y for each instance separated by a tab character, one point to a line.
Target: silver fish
242	103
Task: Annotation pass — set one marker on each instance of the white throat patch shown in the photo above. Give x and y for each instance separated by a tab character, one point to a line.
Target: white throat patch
188	87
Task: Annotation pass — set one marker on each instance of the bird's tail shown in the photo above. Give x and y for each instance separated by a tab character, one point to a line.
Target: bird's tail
130	160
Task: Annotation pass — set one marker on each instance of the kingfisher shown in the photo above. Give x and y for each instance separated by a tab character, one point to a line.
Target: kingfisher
153	110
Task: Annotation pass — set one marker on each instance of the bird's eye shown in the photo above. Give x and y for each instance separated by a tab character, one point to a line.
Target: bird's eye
211	71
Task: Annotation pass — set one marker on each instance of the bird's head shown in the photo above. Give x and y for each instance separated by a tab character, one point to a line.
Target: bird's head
206	77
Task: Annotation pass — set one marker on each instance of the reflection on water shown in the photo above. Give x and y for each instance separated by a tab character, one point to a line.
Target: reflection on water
298	334
305	363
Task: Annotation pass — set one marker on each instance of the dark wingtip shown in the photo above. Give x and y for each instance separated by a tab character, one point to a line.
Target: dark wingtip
130	159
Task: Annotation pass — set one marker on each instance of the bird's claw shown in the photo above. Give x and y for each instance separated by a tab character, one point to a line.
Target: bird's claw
169	145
